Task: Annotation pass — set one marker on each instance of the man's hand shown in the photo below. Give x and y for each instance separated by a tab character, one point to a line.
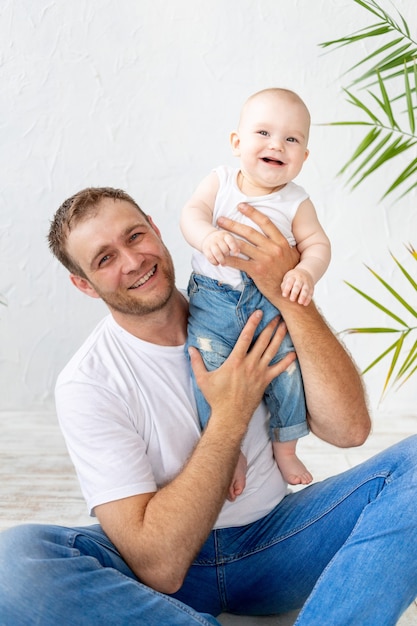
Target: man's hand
269	255
236	388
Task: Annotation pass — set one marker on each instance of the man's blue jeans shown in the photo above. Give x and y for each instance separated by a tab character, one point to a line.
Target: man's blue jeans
217	315
345	548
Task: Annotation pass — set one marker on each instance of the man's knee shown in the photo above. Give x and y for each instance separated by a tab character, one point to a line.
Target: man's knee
28	541
16	540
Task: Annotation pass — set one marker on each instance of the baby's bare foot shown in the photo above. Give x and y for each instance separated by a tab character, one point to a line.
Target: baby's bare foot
239	479
293	470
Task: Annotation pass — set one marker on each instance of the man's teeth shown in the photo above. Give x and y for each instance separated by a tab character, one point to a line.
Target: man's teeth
145	278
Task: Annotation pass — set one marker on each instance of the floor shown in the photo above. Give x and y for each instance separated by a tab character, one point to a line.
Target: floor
38	483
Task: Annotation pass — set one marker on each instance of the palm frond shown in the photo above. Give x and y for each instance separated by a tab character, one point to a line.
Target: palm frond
406	378
369	330
378	305
368	157
393	292
411	250
380	357
393	140
391	53
366	143
403	362
352	99
407	275
388	109
409	101
386	103
394	361
403	55
393	150
409	362
405	175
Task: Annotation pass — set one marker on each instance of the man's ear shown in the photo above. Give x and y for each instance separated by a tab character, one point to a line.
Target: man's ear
235	143
155	228
83	285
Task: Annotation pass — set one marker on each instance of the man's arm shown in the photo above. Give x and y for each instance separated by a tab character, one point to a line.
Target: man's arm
334	391
159	534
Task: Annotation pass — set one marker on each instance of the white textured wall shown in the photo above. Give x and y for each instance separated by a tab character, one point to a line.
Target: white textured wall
142	94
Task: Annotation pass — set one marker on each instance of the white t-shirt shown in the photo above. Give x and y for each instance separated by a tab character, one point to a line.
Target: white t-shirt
127	411
280	206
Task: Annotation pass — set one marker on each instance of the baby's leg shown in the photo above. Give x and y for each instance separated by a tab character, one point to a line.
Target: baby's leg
239	479
291	468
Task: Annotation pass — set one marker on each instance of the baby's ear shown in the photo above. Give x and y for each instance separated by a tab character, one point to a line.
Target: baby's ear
307	152
235	143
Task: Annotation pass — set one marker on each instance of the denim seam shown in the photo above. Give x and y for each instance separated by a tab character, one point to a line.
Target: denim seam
259	548
351	534
180	606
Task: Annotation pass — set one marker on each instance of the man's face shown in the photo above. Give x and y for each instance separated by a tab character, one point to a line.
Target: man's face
123	258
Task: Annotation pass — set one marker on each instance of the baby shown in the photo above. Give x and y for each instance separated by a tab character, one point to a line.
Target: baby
271	143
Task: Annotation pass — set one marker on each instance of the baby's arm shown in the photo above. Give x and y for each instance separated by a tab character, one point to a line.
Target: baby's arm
197	223
314	247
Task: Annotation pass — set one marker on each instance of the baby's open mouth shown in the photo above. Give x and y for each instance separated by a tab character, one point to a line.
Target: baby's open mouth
273	161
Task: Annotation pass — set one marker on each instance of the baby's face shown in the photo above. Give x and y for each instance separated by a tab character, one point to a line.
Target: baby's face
271	142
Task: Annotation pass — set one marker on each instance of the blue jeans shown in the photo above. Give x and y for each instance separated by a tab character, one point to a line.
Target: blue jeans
217	316
345	548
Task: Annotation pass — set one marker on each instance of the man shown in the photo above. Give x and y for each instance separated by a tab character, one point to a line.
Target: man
158	486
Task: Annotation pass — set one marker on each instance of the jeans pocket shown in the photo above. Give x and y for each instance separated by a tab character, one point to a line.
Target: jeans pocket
192	286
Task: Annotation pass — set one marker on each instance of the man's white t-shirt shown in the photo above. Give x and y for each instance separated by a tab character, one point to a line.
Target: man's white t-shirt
127	411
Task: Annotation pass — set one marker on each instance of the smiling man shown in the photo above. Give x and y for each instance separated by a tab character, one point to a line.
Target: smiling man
118	269
169	547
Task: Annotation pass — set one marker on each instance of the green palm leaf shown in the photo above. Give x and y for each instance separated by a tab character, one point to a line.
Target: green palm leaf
393	59
380	357
406	46
352	99
394	293
403	363
369	156
406	274
370	330
378	305
404	380
386	104
386	109
402	55
393	363
366	143
409	100
409	361
391	152
409	172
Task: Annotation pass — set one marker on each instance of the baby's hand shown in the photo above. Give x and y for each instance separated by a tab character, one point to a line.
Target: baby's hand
219	245
298	285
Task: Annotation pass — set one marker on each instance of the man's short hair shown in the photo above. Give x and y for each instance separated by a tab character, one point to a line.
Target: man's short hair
74	210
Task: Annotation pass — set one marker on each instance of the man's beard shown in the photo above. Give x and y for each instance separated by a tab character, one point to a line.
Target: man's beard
128	305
